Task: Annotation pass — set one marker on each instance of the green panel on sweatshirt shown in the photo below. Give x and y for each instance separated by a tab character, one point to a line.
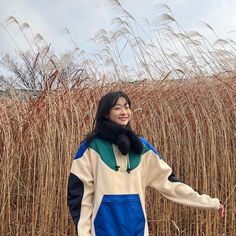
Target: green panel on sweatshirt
136	158
145	149
105	150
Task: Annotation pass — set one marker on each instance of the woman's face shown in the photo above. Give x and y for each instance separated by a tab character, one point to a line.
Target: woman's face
120	113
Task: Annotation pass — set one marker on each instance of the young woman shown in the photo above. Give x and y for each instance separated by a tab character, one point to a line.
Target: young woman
112	168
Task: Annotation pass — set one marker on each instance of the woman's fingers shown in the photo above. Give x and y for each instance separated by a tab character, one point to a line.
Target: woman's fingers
222	211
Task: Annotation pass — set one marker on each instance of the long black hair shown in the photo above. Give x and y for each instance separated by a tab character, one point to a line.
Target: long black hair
104	106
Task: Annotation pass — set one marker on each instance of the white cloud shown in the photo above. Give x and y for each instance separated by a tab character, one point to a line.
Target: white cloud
223	17
85	17
23	12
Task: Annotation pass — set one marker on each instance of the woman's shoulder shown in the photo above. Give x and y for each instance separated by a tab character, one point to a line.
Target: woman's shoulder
81	150
93	143
148	146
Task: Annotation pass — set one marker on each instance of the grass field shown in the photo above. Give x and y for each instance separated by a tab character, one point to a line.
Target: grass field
191	123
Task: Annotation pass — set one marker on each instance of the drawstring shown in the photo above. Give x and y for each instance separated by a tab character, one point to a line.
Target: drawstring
128	170
128	165
117	168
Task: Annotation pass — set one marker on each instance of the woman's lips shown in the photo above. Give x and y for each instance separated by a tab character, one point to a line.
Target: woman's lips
123	118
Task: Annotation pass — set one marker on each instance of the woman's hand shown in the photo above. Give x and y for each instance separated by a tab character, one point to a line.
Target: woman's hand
221	211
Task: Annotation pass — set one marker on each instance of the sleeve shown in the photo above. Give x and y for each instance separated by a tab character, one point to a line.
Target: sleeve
80	191
161	177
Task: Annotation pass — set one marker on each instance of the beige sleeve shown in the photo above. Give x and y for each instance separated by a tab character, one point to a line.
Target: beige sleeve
81	168
158	173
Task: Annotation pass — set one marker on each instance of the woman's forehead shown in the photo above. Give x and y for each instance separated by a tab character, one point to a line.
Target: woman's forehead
121	101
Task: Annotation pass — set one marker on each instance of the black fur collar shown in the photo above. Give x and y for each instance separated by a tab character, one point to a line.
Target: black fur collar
123	137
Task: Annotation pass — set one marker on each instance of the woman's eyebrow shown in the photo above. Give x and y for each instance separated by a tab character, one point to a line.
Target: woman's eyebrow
118	104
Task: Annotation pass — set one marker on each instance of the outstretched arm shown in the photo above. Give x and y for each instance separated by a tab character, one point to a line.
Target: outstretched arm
160	177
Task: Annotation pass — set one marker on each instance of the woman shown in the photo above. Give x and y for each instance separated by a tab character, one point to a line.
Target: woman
111	170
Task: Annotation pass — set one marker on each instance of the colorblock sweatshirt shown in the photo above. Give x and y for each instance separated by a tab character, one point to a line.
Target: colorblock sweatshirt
107	200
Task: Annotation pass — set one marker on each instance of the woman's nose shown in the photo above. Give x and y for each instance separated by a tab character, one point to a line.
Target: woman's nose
123	111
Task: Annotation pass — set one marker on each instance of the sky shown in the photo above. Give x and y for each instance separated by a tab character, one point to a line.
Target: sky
84	18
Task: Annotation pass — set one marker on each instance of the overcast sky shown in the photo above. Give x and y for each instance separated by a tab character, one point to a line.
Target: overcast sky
85	17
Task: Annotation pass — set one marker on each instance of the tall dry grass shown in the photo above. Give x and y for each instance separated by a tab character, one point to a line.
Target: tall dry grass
191	123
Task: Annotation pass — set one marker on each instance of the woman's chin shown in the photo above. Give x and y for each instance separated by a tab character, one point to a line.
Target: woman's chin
122	123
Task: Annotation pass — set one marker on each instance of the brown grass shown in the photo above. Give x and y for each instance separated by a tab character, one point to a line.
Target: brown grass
191	123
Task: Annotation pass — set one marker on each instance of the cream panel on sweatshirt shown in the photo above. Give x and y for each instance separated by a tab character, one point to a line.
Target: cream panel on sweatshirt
110	182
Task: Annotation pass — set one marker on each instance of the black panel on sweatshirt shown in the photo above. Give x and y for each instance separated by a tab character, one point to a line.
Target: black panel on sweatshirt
74	197
172	178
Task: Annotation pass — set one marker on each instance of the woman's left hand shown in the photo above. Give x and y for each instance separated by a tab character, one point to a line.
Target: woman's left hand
221	211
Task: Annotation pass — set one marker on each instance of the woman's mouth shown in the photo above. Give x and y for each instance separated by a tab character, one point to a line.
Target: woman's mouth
123	118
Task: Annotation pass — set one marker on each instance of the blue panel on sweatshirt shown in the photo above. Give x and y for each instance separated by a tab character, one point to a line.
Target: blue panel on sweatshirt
120	215
81	150
145	142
